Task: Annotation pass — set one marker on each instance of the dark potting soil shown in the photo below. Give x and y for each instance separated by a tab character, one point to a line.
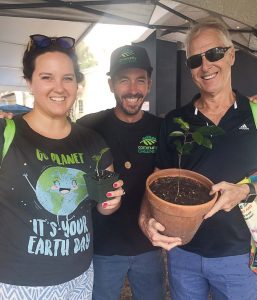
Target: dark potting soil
191	192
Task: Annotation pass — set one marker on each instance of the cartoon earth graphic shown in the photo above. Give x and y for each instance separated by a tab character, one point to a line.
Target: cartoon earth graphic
60	190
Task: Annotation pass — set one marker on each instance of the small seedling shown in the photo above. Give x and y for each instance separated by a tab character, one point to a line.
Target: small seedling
200	136
97	159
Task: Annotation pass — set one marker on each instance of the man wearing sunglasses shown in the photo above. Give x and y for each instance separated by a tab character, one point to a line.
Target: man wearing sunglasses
216	260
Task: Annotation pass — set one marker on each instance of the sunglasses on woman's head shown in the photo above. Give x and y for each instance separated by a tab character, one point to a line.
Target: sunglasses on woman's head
42	41
213	54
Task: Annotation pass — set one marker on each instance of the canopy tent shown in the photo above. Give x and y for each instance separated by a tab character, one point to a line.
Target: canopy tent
171	19
14	108
13	38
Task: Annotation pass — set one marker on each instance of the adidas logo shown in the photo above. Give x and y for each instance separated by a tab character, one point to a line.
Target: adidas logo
243	127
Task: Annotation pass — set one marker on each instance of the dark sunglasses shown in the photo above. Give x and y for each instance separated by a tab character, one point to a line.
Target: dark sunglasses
42	41
213	54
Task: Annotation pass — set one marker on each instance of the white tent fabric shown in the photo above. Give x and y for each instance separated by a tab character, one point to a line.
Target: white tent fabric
14	37
171	19
242	11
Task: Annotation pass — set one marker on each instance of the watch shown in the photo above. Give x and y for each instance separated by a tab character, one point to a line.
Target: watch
252	194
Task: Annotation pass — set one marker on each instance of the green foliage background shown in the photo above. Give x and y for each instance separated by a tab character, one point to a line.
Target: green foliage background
86	58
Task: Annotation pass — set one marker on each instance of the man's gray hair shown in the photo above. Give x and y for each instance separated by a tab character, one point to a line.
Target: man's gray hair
209	23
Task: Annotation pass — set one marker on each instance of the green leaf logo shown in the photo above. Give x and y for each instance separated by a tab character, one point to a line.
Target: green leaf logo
148	140
127	53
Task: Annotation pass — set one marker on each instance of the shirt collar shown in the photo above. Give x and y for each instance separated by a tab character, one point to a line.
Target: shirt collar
238	96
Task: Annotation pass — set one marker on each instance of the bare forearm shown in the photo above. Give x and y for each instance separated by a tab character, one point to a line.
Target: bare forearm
230	195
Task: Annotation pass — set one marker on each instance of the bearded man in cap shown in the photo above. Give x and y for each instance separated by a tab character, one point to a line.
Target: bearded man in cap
119	245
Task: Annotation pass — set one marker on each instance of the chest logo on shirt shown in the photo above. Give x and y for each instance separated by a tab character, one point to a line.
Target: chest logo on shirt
148	144
60	190
243	127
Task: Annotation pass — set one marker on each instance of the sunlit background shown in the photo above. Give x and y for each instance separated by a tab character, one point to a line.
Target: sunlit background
101	41
94	53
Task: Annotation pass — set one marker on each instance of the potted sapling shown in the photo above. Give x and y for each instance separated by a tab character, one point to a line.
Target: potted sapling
100	181
179	198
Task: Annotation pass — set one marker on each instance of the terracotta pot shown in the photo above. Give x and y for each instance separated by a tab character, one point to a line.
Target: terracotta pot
179	220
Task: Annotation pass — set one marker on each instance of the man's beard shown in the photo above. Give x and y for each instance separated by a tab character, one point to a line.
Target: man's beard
125	110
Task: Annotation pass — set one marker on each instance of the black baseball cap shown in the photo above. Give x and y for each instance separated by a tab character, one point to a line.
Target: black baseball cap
129	56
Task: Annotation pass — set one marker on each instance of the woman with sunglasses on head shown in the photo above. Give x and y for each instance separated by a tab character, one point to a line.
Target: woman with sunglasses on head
45	222
216	260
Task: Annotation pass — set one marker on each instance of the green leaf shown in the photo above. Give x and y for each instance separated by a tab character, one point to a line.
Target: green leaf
198	137
95	157
178	145
207	143
177	133
210	130
187	148
104	150
183	125
98	157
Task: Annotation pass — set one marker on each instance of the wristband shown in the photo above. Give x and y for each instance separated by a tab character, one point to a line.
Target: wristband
252	194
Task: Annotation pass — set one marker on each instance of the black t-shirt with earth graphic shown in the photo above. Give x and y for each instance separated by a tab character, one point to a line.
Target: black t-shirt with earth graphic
45	214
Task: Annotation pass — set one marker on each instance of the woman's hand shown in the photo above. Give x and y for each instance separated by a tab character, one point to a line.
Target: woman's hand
6	115
110	206
253	98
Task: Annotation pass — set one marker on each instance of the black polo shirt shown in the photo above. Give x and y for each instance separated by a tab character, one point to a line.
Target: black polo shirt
232	157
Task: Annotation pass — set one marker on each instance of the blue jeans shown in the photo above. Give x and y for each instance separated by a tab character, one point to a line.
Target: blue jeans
193	277
145	274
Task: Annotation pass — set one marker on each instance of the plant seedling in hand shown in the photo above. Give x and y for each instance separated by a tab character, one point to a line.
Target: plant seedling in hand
97	159
200	136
